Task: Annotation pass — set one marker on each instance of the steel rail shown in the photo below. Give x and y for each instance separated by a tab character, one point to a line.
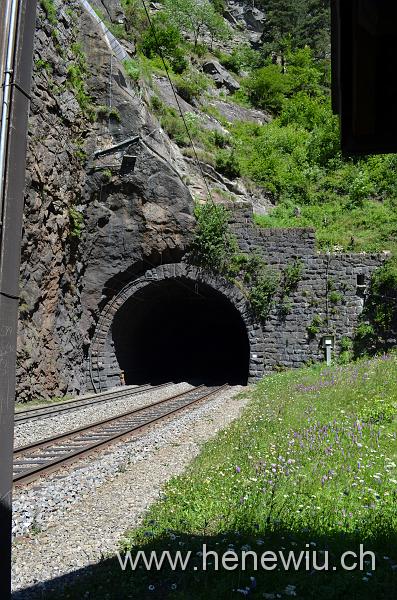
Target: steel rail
43	412
63	436
105	439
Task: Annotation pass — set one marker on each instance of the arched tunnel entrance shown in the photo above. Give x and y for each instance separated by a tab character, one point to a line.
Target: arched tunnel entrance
180	330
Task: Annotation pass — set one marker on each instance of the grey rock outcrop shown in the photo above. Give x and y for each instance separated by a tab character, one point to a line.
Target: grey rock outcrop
88	220
221	76
247	17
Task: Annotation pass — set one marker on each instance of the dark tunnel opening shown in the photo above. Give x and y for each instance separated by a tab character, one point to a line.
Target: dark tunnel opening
178	330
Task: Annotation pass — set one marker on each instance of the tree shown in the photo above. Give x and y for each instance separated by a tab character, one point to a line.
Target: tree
295	24
197	18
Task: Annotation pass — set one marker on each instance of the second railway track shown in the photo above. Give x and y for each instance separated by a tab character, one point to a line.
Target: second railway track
43	412
46	456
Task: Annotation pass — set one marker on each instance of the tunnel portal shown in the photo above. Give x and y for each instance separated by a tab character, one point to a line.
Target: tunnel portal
180	330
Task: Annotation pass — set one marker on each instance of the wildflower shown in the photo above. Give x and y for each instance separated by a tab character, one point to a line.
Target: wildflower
174	586
151	588
238	470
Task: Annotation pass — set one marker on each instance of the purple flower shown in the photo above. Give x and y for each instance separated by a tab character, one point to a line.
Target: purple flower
238	470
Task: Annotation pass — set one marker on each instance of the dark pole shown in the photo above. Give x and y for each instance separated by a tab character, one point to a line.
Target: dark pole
11	211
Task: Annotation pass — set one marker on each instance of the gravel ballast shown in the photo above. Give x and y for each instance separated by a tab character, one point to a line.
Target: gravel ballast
64	512
27	433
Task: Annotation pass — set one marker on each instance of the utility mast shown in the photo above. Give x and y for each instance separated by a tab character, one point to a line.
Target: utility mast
17	26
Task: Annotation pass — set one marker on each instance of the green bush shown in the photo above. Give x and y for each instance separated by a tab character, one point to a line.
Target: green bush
378	328
77	73
135	17
244	57
191	85
174	126
166	42
292	274
262	293
314	328
267	87
76	220
50	11
213	244
227	163
132	68
334	297
219	139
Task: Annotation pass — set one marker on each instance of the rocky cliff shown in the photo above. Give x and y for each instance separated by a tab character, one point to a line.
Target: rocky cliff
108	192
91	219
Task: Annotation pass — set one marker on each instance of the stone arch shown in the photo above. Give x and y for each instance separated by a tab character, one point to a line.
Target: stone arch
103	363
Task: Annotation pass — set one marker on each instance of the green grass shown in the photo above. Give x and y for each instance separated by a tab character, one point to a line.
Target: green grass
38	402
311	461
50	11
372	227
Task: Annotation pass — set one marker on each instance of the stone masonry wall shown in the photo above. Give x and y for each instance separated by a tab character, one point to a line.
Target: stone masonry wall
287	340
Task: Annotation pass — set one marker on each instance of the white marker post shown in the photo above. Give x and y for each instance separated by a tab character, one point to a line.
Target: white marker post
328	343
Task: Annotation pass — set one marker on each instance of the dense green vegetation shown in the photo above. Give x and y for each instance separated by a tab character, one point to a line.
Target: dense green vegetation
297	24
378	325
215	249
351	202
311	464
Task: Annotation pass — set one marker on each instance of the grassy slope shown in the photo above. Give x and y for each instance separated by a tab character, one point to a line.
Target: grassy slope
312	460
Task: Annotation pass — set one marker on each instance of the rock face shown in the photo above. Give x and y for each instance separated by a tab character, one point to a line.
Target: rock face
221	76
111	9
88	221
248	17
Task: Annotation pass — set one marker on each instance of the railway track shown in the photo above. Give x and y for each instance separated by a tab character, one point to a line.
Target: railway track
43	412
47	456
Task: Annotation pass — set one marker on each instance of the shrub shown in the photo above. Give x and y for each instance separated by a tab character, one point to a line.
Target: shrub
175	128
132	68
108	112
219	139
227	163
76	76
166	42
291	276
242	57
50	11
192	84
76	220
213	244
378	328
262	294
135	16
314	328
267	87
335	297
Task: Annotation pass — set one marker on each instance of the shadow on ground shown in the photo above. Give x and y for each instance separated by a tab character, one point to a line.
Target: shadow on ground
106	580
